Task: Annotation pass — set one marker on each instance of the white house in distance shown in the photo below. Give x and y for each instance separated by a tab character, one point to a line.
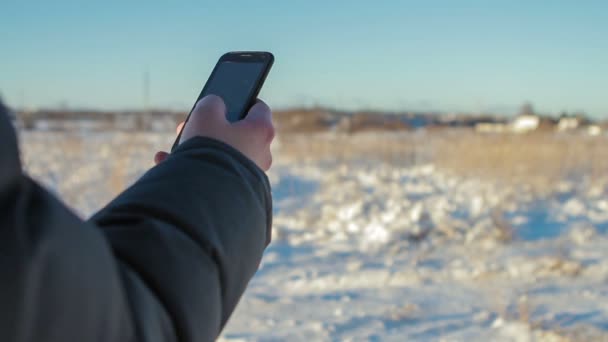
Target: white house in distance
568	123
525	123
520	124
594	130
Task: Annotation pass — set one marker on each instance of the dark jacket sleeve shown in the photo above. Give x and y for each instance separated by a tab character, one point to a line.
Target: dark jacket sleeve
165	261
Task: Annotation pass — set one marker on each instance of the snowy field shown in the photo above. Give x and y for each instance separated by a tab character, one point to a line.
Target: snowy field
408	244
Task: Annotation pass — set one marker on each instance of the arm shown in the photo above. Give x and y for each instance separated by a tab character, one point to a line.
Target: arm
196	246
58	278
166	261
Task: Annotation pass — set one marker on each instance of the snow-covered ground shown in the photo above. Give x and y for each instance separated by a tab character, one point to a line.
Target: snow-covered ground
376	250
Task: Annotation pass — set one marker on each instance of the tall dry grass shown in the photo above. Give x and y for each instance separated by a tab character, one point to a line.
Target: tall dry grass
87	169
398	148
71	163
540	160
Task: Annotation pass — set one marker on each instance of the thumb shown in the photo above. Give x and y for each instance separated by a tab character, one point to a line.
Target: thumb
209	108
209	111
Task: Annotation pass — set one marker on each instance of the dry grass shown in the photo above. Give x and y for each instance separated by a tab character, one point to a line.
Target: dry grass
540	160
395	148
87	169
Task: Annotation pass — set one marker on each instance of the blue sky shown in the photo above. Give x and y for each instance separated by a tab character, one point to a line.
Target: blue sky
390	55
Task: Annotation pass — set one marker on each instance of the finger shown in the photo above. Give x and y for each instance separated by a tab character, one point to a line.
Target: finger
267	163
160	156
259	111
210	108
209	112
259	120
179	127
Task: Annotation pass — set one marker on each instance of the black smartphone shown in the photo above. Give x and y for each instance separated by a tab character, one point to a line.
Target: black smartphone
237	78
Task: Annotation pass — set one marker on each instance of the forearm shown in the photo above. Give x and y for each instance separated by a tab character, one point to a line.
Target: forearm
194	228
166	261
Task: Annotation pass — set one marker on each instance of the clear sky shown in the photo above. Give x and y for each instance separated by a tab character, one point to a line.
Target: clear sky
390	55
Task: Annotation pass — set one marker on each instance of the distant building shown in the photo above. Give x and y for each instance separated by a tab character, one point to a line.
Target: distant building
568	123
594	130
525	123
99	121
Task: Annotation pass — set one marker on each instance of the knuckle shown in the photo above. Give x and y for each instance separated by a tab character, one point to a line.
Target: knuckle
267	163
262	129
270	132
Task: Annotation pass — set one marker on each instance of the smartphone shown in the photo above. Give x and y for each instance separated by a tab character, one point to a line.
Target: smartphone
237	78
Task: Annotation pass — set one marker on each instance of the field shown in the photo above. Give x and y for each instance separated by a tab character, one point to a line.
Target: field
424	235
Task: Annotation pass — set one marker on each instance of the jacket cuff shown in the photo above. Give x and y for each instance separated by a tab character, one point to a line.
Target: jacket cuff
199	142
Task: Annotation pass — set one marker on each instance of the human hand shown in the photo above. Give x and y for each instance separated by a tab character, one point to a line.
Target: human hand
251	136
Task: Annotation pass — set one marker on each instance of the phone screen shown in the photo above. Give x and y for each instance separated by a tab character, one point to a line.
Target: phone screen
234	82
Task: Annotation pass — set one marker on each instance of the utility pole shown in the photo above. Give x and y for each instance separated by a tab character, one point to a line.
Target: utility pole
22	95
143	116
146	90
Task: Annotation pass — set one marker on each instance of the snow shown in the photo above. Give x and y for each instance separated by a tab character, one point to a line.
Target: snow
379	251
